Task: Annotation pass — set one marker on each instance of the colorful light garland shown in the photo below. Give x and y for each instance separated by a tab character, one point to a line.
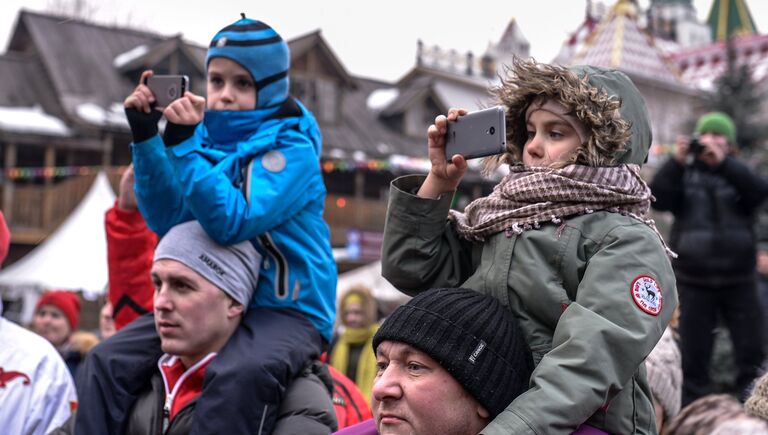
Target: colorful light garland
28	173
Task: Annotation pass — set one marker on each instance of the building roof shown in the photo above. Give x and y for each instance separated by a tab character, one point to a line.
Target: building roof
360	129
78	56
618	42
24	83
314	40
701	66
730	17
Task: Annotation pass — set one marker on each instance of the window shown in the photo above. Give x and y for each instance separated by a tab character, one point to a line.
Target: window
321	96
328	104
304	90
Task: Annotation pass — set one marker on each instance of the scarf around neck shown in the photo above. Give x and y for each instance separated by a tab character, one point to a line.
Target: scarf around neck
366	363
529	196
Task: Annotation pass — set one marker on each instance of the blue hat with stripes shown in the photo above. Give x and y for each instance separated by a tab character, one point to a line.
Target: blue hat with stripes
261	51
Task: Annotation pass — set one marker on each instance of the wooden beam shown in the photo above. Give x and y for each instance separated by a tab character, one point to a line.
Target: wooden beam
47	209
8	184
106	156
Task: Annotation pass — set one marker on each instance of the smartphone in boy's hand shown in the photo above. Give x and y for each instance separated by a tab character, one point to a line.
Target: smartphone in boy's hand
477	134
167	88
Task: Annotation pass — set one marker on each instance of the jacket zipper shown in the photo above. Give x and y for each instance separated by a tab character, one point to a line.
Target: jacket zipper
167	413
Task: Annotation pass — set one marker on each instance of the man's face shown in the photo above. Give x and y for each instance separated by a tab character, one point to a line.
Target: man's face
106	321
230	86
413	394
193	317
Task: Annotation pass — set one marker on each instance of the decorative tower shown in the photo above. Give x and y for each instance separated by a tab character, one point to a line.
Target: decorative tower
730	18
511	44
676	21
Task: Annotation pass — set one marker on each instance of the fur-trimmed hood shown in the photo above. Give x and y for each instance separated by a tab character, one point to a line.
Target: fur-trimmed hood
605	100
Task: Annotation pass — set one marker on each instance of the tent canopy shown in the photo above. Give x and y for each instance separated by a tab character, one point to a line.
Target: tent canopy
74	257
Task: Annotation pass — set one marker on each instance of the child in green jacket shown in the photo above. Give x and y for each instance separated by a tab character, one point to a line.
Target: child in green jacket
563	241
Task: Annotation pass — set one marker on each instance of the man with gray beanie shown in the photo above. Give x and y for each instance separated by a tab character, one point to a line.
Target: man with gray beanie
202	290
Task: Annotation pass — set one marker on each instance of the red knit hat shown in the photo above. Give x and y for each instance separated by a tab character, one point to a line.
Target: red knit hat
5	238
67	302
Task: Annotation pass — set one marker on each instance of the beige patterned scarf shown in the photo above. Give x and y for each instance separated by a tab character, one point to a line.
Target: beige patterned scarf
528	196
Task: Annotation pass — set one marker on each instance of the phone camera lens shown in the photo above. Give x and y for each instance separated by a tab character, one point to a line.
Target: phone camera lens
492	130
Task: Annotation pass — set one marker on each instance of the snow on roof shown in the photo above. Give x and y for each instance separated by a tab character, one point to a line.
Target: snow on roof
380	98
31	120
458	95
97	115
410	163
128	56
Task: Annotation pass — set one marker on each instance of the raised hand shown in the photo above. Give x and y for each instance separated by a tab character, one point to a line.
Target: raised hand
187	110
444	176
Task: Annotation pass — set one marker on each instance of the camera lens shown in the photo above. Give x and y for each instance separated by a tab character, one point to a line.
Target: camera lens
492	130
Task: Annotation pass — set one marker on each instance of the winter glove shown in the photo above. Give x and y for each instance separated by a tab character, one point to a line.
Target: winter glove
177	133
143	125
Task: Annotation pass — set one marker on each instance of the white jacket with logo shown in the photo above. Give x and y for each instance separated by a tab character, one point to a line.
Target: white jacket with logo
37	393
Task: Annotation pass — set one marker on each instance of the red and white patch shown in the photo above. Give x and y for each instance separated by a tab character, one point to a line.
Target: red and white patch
647	294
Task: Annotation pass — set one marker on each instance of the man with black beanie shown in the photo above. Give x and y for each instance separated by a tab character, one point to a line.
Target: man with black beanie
449	361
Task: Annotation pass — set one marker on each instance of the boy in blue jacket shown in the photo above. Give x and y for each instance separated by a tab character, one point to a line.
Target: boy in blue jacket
247	169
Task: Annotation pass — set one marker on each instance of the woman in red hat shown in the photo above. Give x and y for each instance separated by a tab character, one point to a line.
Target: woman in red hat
56	317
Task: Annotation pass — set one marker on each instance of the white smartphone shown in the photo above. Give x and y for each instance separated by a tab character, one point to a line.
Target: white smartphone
167	88
477	134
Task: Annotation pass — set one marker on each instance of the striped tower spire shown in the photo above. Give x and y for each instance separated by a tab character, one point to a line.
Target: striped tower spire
730	18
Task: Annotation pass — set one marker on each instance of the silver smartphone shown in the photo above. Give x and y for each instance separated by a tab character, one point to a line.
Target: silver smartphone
167	88
477	134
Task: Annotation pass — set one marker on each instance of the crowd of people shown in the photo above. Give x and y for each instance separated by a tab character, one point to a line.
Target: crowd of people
554	305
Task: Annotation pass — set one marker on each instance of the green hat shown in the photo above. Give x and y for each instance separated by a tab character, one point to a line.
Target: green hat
717	122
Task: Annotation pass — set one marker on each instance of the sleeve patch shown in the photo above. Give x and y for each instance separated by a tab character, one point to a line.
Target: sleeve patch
647	294
273	161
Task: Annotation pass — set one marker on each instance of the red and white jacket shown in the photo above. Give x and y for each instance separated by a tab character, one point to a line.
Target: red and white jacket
130	251
37	393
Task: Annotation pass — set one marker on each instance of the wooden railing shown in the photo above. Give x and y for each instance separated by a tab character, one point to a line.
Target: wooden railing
36	210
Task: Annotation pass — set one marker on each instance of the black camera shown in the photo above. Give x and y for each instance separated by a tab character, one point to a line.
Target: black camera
695	147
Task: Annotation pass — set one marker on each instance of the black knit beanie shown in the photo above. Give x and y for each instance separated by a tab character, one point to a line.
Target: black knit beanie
469	334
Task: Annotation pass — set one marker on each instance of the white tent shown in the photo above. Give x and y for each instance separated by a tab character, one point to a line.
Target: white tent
74	257
370	276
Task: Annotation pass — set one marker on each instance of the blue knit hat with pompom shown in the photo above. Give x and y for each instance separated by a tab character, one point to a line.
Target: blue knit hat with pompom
256	47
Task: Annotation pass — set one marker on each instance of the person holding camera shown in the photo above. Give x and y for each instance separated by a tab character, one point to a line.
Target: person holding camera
563	241
713	197
247	169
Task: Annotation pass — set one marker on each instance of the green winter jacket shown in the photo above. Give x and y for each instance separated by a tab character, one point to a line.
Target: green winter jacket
574	288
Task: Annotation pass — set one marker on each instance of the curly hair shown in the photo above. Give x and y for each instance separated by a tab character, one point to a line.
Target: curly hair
595	107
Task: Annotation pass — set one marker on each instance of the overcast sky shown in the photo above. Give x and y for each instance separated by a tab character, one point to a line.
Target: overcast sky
372	39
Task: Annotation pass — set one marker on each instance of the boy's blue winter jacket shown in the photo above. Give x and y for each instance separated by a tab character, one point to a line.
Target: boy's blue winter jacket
251	175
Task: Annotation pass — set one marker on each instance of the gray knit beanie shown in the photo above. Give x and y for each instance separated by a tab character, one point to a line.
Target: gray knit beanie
233	269
665	374
469	334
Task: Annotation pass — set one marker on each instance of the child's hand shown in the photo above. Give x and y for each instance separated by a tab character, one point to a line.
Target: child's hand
142	97
444	176
139	112
187	110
